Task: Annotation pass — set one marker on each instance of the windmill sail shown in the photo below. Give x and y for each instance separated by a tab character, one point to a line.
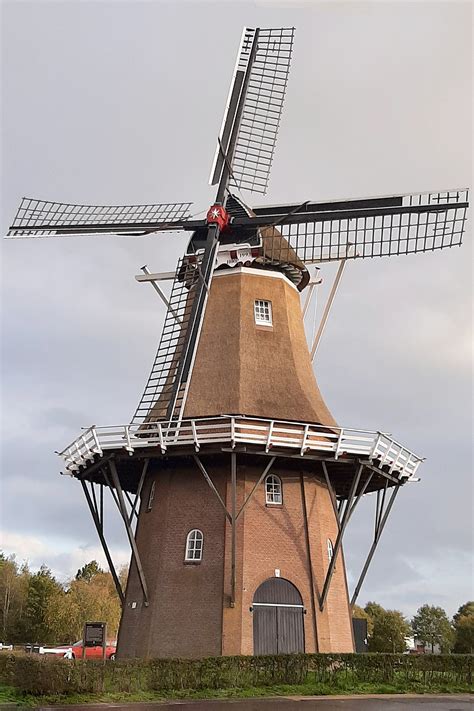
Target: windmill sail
42	218
375	227
252	117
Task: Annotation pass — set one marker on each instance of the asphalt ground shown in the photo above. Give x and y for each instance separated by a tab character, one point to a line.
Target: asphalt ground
407	702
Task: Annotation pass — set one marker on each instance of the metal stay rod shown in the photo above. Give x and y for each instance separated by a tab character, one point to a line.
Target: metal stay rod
374	545
327	308
133	544
98	522
344	521
161	294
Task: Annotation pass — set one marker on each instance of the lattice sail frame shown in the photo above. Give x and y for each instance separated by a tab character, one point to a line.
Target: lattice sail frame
42	218
158	391
260	81
354	234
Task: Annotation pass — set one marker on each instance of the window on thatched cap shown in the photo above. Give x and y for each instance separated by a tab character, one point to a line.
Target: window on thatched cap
263	312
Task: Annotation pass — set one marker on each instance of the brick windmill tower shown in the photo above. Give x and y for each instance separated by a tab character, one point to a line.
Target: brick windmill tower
234	481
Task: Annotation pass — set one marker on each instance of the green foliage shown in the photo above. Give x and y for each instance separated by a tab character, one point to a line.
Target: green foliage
466	609
431	626
373	609
36	608
88	598
88	571
41	588
464	629
390	629
39	676
13	592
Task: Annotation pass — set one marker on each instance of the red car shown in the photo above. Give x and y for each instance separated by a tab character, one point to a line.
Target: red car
74	651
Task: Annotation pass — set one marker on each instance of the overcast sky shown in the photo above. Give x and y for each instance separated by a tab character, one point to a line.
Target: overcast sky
121	103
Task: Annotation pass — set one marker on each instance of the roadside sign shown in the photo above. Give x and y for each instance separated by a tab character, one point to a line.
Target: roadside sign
95	635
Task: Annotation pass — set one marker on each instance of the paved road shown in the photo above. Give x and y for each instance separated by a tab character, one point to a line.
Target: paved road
295	703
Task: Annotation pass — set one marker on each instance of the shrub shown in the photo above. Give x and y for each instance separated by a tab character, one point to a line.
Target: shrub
39	675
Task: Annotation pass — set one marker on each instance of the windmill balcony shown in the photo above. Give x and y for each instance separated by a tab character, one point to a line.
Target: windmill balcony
243	433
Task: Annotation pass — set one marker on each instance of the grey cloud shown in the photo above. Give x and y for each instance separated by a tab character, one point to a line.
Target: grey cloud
378	103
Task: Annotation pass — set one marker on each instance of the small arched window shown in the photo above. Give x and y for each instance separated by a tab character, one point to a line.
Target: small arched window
194	546
273	490
330	550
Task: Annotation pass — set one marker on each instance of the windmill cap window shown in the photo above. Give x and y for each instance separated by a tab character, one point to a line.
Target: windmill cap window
263	312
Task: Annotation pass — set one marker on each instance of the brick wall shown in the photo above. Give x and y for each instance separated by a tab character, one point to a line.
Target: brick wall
189	612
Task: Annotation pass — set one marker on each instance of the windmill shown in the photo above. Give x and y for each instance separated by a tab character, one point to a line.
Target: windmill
234	482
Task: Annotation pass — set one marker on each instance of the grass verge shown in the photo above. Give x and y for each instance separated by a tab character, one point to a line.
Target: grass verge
9	695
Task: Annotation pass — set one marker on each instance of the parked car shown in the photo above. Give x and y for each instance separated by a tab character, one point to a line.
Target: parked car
74	651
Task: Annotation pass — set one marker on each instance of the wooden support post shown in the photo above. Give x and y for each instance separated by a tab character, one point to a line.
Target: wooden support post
128	528
211	484
379	530
97	517
256	485
310	560
139	489
359	496
331	493
344	521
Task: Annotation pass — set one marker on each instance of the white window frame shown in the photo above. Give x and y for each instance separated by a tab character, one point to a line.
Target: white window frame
330	549
193	552
273	490
263	312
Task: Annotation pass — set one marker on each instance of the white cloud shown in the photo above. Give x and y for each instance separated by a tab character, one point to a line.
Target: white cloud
62	555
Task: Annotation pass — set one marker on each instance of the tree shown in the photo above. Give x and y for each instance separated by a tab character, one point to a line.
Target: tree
389	632
87	599
373	609
463	622
13	592
42	586
431	626
359	614
88	571
466	609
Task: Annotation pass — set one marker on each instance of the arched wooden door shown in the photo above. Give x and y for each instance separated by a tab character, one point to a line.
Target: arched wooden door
277	618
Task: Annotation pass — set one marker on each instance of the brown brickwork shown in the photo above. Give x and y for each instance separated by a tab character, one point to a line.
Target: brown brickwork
189	612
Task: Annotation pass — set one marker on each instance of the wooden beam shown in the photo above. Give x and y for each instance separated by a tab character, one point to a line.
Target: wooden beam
98	522
211	484
133	544
344	522
233	485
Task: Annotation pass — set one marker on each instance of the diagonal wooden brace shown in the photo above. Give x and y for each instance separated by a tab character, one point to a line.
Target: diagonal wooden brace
133	544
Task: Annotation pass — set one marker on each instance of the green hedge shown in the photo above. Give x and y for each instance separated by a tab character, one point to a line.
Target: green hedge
38	675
